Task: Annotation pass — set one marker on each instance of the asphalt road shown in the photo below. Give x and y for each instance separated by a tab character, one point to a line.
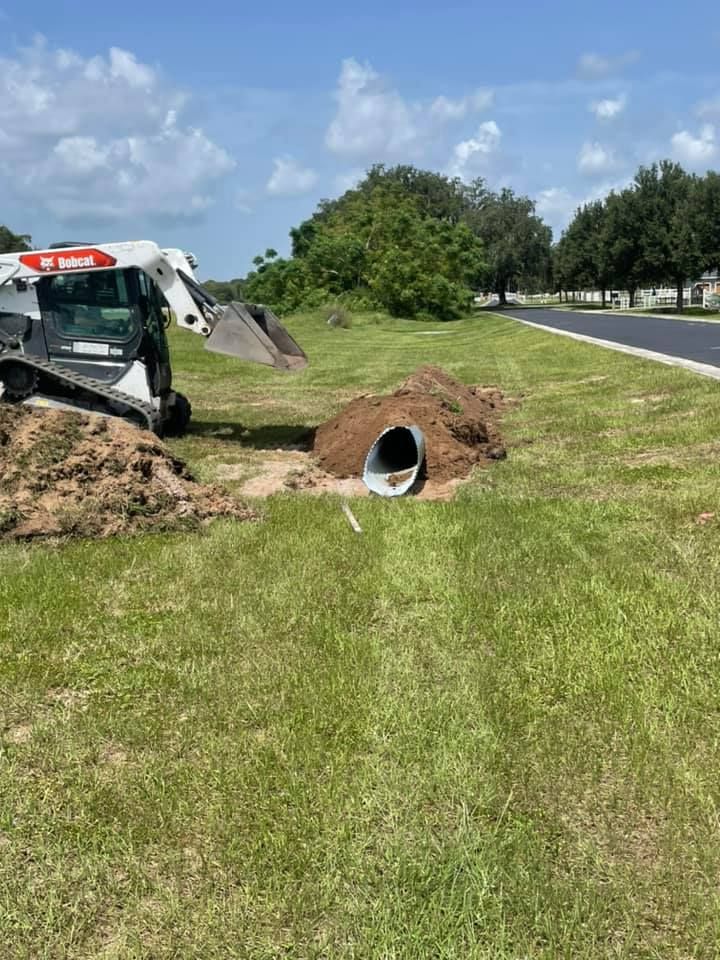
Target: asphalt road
693	341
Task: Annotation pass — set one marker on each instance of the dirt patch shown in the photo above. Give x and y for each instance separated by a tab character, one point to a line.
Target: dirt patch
20	733
651	398
284	472
113	755
67	698
68	474
674	457
459	423
312	479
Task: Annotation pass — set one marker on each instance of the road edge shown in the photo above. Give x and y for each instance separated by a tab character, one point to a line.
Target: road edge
635	316
694	366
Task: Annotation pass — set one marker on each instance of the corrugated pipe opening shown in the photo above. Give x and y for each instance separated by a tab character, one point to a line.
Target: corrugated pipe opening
394	462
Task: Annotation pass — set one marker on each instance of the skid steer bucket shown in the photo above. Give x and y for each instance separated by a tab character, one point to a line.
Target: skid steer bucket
252	332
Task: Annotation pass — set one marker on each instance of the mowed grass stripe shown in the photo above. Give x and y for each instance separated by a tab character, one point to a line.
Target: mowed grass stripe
486	728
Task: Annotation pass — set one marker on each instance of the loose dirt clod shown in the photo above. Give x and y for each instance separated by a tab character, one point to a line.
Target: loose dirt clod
459	423
71	474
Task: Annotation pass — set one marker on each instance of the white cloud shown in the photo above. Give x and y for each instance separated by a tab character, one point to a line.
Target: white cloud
696	151
242	198
593	66
448	109
371	117
470	156
80	155
101	138
289	177
709	108
445	108
609	108
556	205
124	66
594	158
373	120
481	99
605	187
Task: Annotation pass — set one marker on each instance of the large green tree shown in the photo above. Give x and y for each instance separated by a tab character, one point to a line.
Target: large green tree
581	256
623	240
419	265
436	196
663	229
671	236
282	284
516	241
705	211
397	240
11	242
560	267
225	290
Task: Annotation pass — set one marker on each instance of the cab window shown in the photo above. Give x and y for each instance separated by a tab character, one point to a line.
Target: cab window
94	304
156	312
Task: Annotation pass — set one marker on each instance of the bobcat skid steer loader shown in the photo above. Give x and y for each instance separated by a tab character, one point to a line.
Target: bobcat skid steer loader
82	327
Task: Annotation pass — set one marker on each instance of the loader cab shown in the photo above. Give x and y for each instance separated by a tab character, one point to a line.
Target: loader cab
101	322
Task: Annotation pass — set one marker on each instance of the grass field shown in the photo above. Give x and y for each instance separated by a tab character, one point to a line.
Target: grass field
482	729
696	313
689	313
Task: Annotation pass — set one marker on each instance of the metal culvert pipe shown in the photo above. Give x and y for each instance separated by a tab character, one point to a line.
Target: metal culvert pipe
394	462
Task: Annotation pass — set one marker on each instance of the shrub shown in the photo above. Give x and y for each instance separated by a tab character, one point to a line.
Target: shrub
337	316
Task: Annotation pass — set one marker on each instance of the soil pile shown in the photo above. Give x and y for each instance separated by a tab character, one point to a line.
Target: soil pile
459	423
68	474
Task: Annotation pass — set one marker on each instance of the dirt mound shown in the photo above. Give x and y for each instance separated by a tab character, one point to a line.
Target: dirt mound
68	474
459	424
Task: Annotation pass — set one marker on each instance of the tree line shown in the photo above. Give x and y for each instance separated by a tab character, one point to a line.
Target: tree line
411	242
663	229
419	244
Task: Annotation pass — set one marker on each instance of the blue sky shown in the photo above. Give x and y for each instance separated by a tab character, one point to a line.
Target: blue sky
218	127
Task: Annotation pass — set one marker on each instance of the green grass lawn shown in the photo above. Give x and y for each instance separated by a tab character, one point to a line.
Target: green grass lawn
487	728
688	313
698	313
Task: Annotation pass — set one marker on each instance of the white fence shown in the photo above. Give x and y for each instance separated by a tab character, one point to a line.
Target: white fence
650	299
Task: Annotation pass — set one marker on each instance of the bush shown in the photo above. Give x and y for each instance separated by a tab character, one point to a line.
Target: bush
337	316
394	243
360	299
